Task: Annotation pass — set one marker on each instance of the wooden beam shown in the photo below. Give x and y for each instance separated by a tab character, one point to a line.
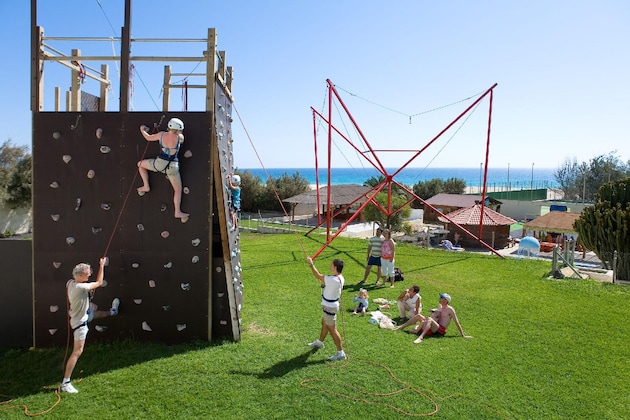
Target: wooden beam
166	91
102	104
75	83
125	53
211	65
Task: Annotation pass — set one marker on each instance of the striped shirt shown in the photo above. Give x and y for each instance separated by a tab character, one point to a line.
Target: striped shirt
375	244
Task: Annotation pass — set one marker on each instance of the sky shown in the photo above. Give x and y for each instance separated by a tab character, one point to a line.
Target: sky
560	67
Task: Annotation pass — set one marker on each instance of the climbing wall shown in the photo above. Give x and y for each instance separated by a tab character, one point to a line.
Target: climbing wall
223	169
165	272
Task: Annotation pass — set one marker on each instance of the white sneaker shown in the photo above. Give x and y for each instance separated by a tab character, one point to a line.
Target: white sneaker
316	345
67	387
340	355
115	304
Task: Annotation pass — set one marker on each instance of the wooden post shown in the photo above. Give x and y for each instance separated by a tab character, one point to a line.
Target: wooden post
166	96
37	69
211	64
125	53
102	103
75	89
229	78
57	99
221	69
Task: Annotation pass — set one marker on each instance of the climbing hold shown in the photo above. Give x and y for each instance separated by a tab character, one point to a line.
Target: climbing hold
163	207
91	173
96	229
137	301
56	264
164	234
168	265
185	286
100	328
52	331
218	269
53	308
106	206
195	259
67	158
55	217
78	204
196	242
145	326
181	327
186	190
105	149
140	193
56	135
151	283
135	265
69	240
54	184
166	308
99	133
184	219
140	227
187	154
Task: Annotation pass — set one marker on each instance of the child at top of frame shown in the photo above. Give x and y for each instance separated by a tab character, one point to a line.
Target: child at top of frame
362	302
166	162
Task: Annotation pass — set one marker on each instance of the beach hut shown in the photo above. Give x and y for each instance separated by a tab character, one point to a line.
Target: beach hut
551	228
340	197
495	232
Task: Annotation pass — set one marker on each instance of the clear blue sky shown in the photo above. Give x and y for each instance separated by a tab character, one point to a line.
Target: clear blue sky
561	66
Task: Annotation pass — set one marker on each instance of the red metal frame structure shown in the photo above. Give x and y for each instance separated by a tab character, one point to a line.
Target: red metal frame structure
373	159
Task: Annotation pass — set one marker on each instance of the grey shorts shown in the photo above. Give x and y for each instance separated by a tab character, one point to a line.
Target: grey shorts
81	333
329	315
162	165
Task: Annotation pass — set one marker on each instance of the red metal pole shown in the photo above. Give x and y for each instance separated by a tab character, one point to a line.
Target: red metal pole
485	172
316	168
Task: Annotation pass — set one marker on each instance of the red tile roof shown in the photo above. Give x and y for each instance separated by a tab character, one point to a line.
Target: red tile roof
472	215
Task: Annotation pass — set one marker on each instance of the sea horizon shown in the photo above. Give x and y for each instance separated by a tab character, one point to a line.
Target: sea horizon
498	178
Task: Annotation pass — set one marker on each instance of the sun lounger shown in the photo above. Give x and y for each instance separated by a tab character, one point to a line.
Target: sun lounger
449	246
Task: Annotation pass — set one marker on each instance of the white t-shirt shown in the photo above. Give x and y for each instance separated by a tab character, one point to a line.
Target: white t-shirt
79	297
333	285
411	302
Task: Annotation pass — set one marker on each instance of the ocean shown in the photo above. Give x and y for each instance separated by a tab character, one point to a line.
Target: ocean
497	178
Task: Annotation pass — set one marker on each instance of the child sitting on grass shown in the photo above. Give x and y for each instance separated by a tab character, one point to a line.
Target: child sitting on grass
362	298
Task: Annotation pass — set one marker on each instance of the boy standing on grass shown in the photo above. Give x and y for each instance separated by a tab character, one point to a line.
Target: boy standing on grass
79	290
332	286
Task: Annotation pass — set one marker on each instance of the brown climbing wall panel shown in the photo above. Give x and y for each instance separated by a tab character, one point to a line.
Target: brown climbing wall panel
85	202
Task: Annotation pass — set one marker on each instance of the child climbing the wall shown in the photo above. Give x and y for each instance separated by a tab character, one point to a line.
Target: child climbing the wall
166	162
235	202
362	299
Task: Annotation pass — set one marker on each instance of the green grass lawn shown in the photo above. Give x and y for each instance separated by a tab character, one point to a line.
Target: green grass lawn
541	349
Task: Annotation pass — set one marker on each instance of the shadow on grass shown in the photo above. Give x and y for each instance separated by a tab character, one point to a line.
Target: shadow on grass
27	372
283	367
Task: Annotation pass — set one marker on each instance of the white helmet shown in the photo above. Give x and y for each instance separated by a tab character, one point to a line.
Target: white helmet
236	179
176	124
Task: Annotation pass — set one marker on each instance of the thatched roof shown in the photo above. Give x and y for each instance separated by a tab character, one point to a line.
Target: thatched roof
554	222
458	200
339	195
471	215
